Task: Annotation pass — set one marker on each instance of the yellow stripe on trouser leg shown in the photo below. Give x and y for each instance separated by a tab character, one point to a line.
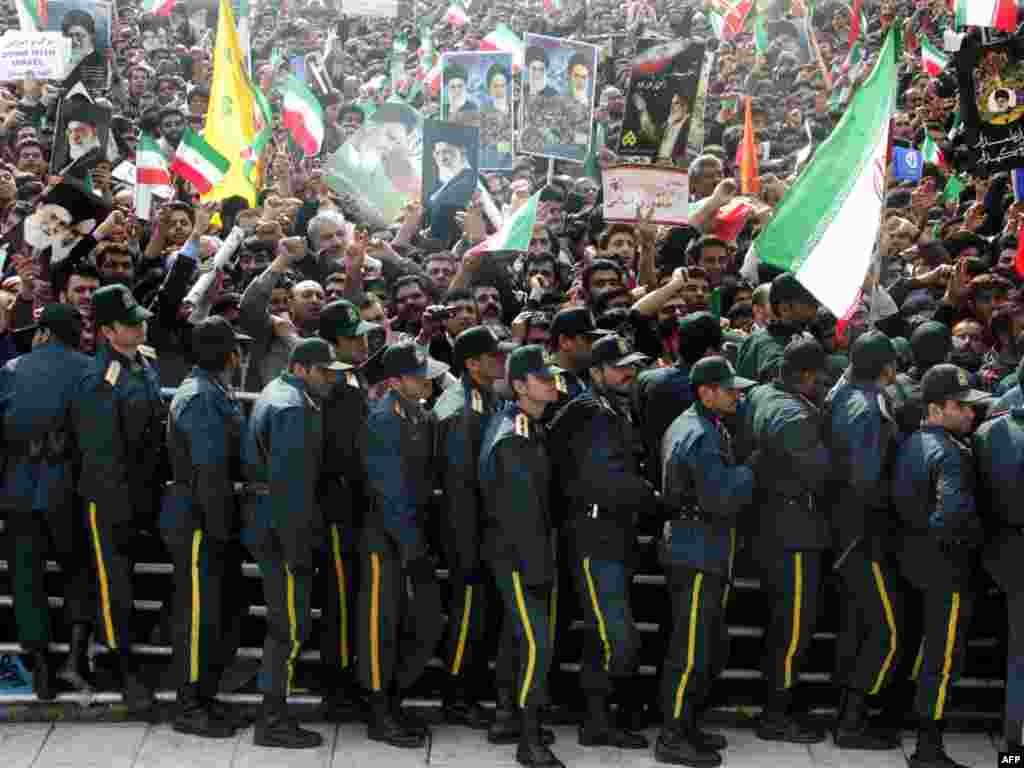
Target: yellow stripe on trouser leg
916	671
691	644
890	620
947	661
460	648
798	598
339	572
293	627
732	560
531	643
375	621
101	569
553	613
193	669
601	628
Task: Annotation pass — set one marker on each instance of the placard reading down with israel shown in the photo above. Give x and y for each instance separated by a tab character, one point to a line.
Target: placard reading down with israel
558	101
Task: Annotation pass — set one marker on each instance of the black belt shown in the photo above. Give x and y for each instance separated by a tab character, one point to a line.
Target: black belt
254	489
691	512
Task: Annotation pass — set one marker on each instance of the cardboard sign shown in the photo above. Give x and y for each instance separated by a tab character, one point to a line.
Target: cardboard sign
382	8
629	186
42	55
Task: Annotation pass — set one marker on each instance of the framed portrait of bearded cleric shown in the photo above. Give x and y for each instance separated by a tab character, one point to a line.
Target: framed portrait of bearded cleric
558	98
81	139
89	25
476	90
450	171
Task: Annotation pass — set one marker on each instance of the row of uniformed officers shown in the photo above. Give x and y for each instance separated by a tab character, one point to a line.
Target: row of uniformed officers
542	490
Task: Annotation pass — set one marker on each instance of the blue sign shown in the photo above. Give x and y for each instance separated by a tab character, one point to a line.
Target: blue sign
907	164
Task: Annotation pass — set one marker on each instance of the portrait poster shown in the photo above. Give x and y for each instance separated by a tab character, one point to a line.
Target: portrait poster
558	98
81	138
451	162
660	103
477	90
627	187
377	171
993	124
89	25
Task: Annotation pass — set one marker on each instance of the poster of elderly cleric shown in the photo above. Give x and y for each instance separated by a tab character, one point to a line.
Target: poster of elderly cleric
662	90
377	171
558	98
450	172
477	90
81	138
994	119
89	24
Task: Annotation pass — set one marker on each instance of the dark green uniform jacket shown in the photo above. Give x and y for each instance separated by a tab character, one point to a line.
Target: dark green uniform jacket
761	353
343	481
999	450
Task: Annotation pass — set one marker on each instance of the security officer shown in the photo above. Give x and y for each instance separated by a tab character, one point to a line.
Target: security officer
118	414
572	334
200	524
703	489
930	344
397	449
933	487
862	438
793	309
597	478
999	452
36	390
518	542
791	530
282	456
664	393
343	499
462	414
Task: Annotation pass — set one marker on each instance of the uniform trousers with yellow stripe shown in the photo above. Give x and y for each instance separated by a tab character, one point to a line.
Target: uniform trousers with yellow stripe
947	617
286	589
524	650
464	653
610	639
207	624
380	606
868	647
792	582
337	574
698	608
112	537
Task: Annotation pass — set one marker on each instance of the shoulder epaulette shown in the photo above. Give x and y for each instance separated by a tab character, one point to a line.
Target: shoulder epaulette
399	411
113	373
147	351
560	384
477	401
311	402
883	406
351	379
522	425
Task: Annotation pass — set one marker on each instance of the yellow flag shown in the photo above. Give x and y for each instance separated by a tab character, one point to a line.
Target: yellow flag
231	120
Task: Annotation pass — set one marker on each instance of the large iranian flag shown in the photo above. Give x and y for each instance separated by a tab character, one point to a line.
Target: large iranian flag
825	229
199	163
515	232
158	7
301	114
151	175
1001	14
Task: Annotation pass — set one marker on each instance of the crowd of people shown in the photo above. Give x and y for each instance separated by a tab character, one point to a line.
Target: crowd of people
612	379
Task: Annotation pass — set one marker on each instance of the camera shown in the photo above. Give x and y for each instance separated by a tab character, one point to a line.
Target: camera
438	313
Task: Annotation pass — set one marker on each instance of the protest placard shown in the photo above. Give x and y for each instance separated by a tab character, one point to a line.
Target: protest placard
628	186
382	8
41	55
478	90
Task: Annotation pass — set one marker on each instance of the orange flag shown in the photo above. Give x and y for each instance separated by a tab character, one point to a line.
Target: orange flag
750	183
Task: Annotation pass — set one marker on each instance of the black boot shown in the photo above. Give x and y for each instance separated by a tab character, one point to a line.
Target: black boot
460	707
75	671
408	717
715	742
777	724
136	691
532	752
277	729
385	727
930	752
196	719
598	731
677	746
855	731
42	678
507	725
342	703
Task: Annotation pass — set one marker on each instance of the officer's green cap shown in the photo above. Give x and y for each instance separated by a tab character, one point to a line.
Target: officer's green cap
613	350
803	354
717	370
476	341
62	320
310	352
341	318
786	289
949	382
116	304
872	350
216	333
528	360
406	359
931	342
700	328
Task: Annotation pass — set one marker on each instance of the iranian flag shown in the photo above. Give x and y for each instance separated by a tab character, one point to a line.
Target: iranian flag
151	174
301	114
456	15
199	163
858	22
505	40
433	79
515	233
1001	14
760	35
32	15
931	152
553	5
826	227
933	61
158	7
728	17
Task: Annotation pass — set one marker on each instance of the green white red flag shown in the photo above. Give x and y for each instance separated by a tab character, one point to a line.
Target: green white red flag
32	15
301	114
727	17
826	228
158	7
1001	14
515	232
150	174
505	40
199	163
456	15
933	61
